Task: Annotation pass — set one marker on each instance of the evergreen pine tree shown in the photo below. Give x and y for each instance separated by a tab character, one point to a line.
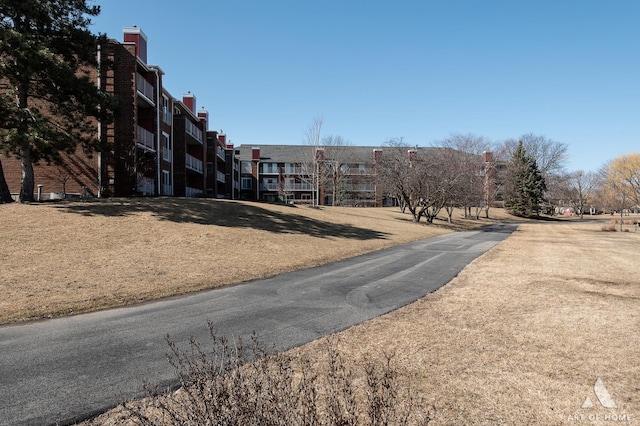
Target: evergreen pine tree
48	96
524	184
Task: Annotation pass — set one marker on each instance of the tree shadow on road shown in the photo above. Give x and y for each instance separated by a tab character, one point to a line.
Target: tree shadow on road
222	213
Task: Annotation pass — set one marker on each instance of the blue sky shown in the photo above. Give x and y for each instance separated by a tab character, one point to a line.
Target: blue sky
265	69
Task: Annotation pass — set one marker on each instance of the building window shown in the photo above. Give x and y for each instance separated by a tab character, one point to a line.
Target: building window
166	183
270	184
246	167
269	167
290	184
166	110
246	183
166	147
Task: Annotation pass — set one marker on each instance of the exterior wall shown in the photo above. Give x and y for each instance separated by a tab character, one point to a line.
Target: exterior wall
188	180
69	176
135	156
219	167
165	154
179	152
120	78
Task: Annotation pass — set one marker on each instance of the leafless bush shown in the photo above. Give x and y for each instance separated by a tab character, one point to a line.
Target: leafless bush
229	384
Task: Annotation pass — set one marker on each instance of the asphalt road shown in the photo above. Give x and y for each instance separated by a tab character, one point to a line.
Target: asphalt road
63	370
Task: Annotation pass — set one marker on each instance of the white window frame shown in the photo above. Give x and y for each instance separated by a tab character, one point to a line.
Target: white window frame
167	152
167	188
246	183
246	167
269	168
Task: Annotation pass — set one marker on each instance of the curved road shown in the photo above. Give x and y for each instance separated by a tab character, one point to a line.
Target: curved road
63	370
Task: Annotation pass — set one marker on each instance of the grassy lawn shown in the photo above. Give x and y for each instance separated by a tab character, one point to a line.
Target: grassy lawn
67	258
523	333
519	337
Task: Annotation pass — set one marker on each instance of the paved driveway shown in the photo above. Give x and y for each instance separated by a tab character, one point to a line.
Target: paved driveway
62	370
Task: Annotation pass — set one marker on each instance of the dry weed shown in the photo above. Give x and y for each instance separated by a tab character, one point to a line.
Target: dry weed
229	384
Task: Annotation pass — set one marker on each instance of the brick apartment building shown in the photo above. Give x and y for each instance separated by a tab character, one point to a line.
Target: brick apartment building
332	175
159	143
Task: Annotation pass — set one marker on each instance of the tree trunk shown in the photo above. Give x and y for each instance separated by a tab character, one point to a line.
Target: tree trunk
449	211
28	180
5	194
621	218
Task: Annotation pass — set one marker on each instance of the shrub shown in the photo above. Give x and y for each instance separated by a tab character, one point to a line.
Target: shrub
233	385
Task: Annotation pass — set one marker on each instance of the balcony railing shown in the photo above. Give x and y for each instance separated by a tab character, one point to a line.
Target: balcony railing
220	176
192	192
291	170
269	169
358	171
360	187
220	152
193	163
167	117
146	138
144	87
301	186
193	130
146	186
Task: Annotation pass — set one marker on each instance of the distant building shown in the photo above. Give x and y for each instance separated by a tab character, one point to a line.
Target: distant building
300	174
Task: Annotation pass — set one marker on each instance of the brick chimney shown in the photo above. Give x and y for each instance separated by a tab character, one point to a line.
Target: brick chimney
412	154
222	138
139	38
255	153
377	155
320	154
203	115
487	156
189	99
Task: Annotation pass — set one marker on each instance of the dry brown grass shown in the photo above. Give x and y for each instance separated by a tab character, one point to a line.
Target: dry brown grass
519	337
65	258
524	332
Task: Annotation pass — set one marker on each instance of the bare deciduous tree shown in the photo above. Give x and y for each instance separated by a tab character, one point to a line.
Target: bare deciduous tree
550	156
412	176
467	169
335	167
308	158
581	190
622	181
